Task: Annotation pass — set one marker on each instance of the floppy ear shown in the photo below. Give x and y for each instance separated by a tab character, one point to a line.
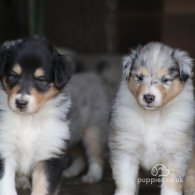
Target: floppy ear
184	62
129	60
6	52
64	68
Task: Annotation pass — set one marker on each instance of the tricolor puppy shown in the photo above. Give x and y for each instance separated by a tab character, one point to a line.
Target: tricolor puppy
153	116
34	105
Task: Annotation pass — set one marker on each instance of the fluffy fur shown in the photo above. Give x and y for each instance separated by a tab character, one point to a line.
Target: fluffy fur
189	182
153	116
34	105
89	119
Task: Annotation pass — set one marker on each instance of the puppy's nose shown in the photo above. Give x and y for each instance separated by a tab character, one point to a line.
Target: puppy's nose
148	98
21	104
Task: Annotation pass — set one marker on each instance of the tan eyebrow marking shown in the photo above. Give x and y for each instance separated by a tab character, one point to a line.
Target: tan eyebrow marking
39	72
162	72
17	69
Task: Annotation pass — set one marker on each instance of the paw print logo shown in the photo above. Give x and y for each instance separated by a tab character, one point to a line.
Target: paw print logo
160	170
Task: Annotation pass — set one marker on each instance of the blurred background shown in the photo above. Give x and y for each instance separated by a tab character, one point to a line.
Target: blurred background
99	32
101	26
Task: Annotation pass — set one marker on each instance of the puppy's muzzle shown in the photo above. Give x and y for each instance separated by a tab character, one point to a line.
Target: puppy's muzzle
21	104
148	98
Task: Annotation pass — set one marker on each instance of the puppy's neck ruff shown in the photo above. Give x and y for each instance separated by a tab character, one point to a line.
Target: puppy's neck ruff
33	138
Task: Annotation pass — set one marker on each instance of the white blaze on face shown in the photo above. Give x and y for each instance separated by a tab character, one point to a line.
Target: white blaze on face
152	90
30	100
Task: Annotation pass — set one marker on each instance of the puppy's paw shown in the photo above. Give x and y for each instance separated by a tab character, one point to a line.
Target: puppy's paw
90	178
23	182
69	173
94	174
75	168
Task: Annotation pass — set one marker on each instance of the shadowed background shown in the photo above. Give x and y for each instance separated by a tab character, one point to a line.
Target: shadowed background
99	32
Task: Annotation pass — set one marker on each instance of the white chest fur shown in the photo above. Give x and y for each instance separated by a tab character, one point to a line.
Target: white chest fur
32	138
151	136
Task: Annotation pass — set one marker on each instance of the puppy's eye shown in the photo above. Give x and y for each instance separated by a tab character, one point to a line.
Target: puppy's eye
12	78
139	78
165	81
41	81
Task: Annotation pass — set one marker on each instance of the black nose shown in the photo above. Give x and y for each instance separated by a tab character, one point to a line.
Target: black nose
149	98
21	104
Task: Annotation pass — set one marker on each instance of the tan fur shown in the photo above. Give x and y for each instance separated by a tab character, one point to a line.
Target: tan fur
171	184
94	144
12	93
135	89
162	72
39	181
41	98
4	83
170	181
143	70
39	72
17	69
189	182
167	94
175	89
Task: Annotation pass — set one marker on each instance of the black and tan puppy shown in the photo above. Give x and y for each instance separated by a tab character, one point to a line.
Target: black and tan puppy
34	106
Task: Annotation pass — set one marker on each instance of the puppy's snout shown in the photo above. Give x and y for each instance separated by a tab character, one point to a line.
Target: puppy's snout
148	98
21	104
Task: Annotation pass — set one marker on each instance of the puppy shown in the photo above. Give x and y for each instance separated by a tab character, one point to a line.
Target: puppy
33	124
153	116
89	118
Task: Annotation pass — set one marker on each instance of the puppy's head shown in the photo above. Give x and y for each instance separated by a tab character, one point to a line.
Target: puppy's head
156	74
32	72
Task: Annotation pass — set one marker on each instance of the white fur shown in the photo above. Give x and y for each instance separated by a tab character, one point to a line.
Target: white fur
26	140
75	168
30	108
150	137
147	138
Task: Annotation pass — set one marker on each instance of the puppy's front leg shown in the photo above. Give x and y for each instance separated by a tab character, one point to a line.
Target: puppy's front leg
173	176
46	177
189	183
39	180
7	178
125	172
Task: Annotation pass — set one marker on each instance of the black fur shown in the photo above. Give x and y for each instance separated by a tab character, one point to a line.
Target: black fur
134	56
53	170
180	62
1	167
63	66
33	53
174	72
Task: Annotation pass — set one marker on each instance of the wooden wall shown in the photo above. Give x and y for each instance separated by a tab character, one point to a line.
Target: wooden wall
105	26
178	27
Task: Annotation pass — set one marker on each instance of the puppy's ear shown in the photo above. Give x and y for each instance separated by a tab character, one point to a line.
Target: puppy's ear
6	53
128	61
63	69
184	62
